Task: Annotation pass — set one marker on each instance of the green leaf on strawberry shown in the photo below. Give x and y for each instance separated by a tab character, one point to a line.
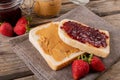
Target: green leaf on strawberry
28	29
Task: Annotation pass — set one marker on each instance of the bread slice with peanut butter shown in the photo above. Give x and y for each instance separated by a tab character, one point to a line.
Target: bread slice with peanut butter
46	40
85	38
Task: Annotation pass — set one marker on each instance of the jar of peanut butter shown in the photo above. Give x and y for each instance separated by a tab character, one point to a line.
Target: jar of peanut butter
47	8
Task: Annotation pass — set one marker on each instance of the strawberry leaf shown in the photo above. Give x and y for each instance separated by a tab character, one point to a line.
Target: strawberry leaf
28	29
29	19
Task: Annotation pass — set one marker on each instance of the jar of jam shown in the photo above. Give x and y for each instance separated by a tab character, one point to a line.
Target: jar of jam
10	11
47	8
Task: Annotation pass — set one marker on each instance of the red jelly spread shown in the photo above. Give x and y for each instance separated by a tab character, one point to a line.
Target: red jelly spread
85	34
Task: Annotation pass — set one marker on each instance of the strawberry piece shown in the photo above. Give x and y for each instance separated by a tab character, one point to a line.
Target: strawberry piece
6	29
80	68
20	29
22	20
96	64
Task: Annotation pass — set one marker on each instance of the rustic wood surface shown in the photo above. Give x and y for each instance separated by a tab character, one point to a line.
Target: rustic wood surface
10	64
11	67
105	7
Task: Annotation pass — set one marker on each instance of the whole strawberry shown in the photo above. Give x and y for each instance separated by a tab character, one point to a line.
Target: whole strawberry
96	64
6	29
21	26
80	68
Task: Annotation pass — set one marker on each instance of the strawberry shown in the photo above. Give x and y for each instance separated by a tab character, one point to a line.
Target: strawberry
80	68
21	26
6	29
96	64
22	20
20	29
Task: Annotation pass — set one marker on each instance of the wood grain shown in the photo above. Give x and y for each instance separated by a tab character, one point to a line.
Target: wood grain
112	74
113	19
105	7
10	63
28	78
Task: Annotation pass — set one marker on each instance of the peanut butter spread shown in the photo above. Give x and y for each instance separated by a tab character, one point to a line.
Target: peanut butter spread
52	44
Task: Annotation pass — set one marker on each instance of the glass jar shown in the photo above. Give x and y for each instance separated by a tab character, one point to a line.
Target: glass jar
47	8
10	11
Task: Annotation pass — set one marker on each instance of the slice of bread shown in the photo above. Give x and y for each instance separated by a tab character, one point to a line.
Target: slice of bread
86	47
54	64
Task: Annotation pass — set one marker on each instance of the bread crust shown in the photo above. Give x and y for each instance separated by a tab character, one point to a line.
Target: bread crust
101	52
54	65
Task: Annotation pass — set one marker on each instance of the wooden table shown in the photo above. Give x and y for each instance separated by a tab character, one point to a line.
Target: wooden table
13	68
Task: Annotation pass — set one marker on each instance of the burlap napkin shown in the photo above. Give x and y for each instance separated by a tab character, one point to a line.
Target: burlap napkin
24	49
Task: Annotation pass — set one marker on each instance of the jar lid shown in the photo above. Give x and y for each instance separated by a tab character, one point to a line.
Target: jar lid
6	4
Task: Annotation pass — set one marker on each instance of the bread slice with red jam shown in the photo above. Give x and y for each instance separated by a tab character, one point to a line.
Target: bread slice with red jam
87	39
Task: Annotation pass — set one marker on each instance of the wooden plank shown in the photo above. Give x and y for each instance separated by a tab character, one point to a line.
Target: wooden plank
10	63
113	19
105	7
65	1
112	74
28	78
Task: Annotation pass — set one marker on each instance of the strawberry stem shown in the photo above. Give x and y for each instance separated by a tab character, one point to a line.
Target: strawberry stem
90	58
84	57
28	29
78	57
29	19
